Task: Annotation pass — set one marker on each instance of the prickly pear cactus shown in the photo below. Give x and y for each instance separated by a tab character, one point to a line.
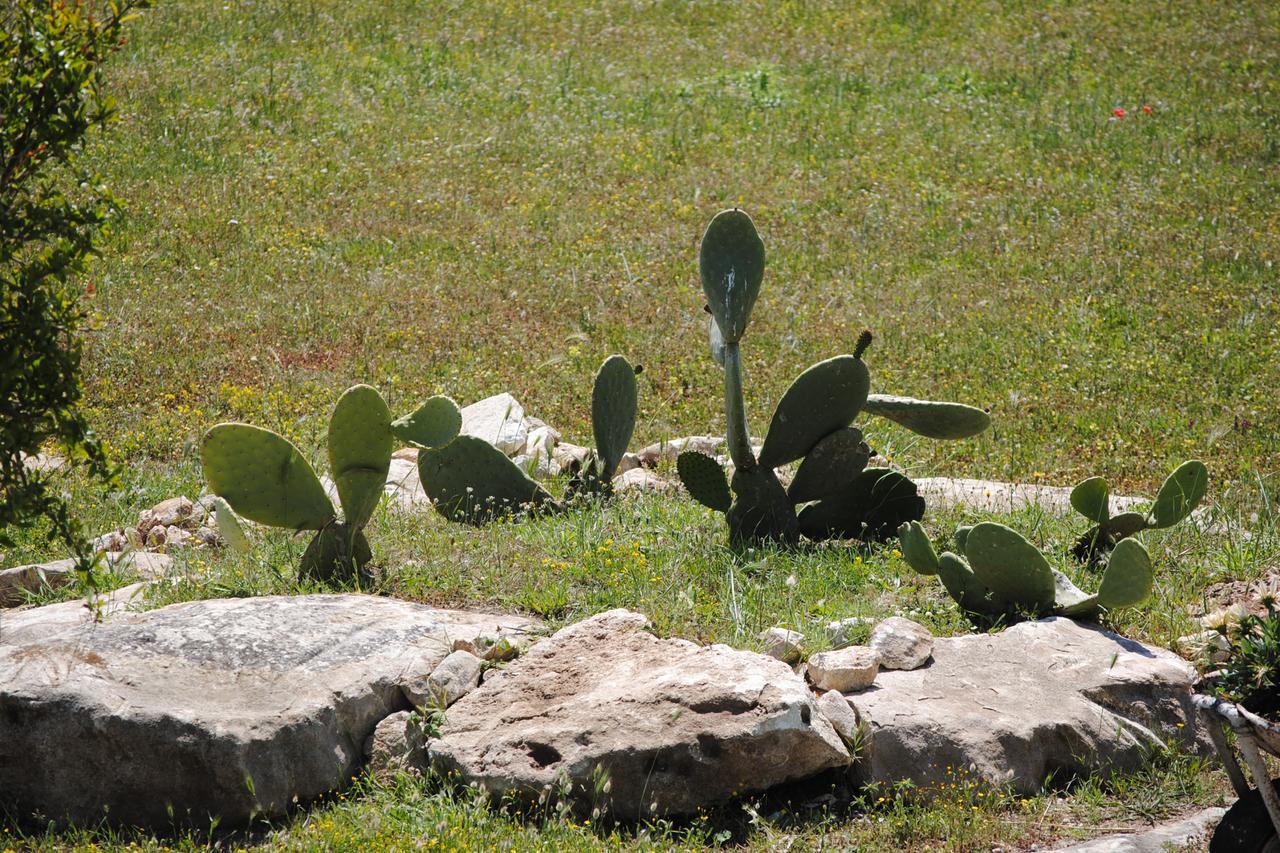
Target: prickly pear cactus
360	444
704	479
228	527
613	411
731	263
930	418
1178	497
1180	494
830	467
264	477
823	399
433	424
471	481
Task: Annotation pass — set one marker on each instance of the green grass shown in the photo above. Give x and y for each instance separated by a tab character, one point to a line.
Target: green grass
476	197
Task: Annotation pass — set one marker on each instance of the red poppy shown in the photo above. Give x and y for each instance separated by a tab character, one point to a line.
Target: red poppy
90	289
1146	108
1118	112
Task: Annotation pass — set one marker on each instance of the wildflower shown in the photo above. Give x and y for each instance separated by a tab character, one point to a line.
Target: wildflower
1146	108
1119	112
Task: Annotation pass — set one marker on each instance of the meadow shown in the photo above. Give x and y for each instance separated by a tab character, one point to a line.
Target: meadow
1063	212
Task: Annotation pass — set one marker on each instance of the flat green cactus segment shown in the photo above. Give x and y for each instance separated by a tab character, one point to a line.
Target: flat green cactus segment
433	424
823	399
1015	571
360	444
336	554
872	508
963	586
1126	524
613	410
917	550
263	477
761	511
930	418
1066	594
1091	498
731	264
1180	494
830	467
704	479
715	341
471	481
228	527
1128	579
961	536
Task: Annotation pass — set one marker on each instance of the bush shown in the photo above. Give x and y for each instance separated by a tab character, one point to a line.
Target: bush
51	211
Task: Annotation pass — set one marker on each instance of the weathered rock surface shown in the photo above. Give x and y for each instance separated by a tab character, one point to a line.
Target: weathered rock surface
901	643
397	743
782	644
848	669
668	451
1172	835
641	480
845	631
498	420
29	624
453	678
1040	698
16	582
182	706
995	496
675	726
836	708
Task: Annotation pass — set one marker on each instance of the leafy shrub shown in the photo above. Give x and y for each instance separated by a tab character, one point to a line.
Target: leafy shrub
1251	675
51	211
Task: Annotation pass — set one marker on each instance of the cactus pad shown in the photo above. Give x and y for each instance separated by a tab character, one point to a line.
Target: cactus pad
930	418
263	477
715	341
1180	494
761	511
472	481
435	423
871	508
1128	578
731	264
1015	571
823	399
961	536
338	553
1091	498
830	467
360	444
613	411
704	479
917	550
962	585
228	527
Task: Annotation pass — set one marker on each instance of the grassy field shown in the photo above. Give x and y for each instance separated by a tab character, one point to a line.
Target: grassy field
466	198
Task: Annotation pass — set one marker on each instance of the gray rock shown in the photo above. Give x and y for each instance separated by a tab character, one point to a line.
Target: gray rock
1208	646
227	707
673	725
783	645
498	420
454	677
398	743
846	670
30	624
566	455
176	537
836	708
628	462
174	511
1172	835
1046	697
844	632
901	643
15	583
642	480
668	451
111	541
156	536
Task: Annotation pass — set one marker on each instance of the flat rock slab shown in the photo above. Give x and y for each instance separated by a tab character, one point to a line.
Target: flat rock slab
232	708
1050	697
15	583
1174	835
673	726
998	497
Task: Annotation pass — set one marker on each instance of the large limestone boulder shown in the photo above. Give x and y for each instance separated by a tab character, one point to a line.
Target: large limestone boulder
1047	697
498	420
672	725
229	708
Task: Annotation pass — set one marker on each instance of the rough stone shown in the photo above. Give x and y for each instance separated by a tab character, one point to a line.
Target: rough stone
1178	834
167	513
641	480
498	420
836	708
901	643
540	448
176	537
156	536
783	645
111	541
844	632
17	582
398	744
668	451
30	624
847	670
1047	697
176	708
565	454
454	677
628	462
673	725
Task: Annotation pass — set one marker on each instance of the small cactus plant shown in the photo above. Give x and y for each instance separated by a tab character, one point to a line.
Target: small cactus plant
264	478
833	494
1178	497
999	573
614	402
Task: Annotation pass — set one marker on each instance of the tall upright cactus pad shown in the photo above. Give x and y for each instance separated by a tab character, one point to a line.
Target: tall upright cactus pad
228	527
715	341
917	550
433	424
1013	569
360	444
731	265
472	481
823	399
1091	498
1180	494
930	418
704	479
613	411
1128	579
831	467
264	477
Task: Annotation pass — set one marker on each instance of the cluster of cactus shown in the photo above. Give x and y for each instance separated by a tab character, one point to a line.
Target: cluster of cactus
833	493
1180	494
264	478
998	573
471	481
